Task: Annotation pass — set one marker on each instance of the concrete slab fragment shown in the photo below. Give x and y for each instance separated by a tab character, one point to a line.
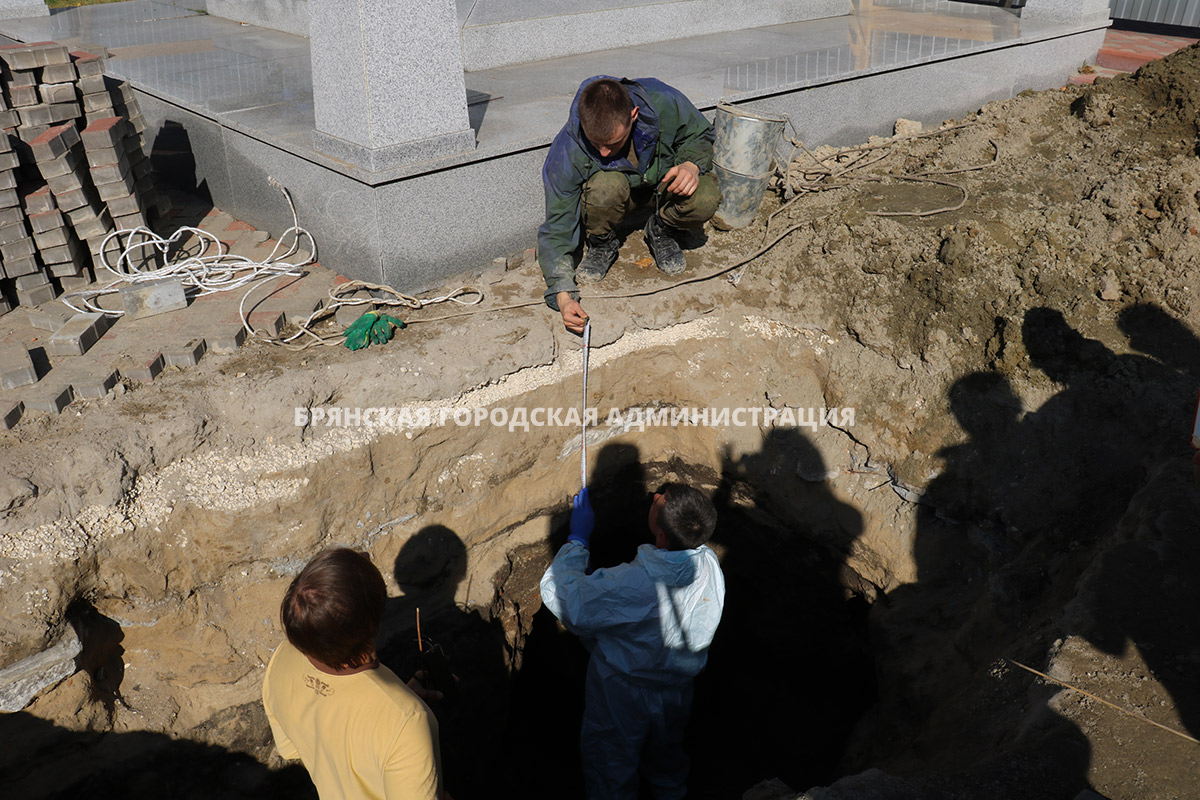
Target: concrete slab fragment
95	384
186	356
141	369
16	368
77	335
51	317
10	413
225	338
24	680
37	296
49	398
153	297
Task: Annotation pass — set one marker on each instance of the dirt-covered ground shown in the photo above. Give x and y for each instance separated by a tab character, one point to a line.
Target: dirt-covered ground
1006	302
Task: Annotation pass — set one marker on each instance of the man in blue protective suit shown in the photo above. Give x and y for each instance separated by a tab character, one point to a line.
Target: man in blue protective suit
648	625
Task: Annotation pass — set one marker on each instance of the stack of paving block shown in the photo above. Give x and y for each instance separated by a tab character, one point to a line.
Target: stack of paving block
20	265
72	169
70	210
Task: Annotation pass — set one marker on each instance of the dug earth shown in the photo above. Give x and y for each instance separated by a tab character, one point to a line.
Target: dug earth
1000	309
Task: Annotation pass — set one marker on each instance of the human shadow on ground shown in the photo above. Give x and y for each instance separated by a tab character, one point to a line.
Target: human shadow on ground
460	651
1033	530
983	572
790	672
174	160
1145	591
123	766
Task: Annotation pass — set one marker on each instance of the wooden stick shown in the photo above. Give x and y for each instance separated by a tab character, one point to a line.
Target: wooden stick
420	644
1125	711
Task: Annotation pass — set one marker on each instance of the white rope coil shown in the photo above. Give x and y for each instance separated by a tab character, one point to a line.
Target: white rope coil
140	250
141	256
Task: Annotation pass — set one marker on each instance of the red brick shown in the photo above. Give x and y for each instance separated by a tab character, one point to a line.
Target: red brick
1122	60
238	225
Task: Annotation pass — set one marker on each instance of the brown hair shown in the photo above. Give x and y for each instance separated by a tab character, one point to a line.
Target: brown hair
604	107
687	517
332	609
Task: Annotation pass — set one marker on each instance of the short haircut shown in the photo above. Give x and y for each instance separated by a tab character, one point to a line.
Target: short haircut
604	108
687	516
333	608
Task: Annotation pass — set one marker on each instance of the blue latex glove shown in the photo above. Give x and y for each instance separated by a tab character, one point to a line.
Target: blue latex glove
583	519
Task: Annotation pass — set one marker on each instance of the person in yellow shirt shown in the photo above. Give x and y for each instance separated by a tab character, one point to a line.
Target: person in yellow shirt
361	732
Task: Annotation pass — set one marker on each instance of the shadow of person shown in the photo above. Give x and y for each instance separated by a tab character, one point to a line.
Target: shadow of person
1144	591
42	760
981	564
101	654
617	484
1153	331
1085	444
1006	531
790	672
548	687
429	569
172	157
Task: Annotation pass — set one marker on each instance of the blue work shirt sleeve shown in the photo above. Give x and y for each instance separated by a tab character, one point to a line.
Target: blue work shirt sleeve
586	604
562	232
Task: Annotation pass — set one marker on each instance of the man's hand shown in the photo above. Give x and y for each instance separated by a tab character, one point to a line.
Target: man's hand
583	519
684	178
574	317
416	683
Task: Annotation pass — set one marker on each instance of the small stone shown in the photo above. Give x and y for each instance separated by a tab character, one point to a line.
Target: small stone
907	127
1110	288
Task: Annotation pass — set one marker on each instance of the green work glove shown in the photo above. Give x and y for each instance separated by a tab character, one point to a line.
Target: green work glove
356	334
371	327
384	328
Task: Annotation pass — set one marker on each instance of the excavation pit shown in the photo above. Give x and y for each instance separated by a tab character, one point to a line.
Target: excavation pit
463	520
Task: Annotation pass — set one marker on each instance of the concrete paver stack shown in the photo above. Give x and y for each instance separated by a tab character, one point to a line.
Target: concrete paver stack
72	169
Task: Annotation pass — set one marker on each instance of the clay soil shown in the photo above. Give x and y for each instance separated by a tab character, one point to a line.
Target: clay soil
1007	302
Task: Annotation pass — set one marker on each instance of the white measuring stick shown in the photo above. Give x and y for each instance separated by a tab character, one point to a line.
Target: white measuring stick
587	339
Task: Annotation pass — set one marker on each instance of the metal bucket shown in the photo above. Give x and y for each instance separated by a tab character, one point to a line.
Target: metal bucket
742	158
741	195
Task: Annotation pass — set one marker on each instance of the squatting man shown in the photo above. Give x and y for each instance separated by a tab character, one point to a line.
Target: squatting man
627	145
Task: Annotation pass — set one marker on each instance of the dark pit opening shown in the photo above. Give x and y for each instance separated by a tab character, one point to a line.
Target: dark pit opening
790	673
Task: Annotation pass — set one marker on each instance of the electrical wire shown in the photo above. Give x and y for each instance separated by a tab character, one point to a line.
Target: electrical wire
143	256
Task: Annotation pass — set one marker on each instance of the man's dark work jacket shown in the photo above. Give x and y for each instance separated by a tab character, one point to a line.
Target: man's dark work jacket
669	130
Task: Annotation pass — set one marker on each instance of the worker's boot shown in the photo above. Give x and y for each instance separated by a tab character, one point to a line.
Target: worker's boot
601	254
664	247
